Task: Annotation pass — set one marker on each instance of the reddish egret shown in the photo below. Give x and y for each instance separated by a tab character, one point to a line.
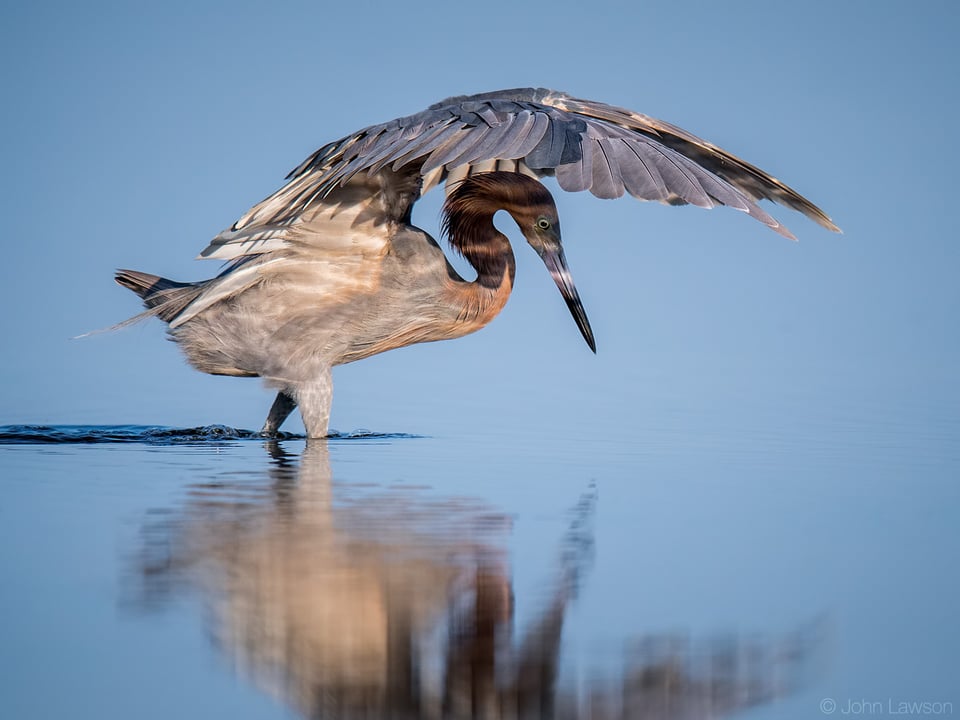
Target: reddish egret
329	270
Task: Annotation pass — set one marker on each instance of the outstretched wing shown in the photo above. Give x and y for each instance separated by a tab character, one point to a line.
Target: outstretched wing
587	145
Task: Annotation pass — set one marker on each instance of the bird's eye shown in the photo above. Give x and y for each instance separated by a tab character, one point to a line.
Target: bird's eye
543	224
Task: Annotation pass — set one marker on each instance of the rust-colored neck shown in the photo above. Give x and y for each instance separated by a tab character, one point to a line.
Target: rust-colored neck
478	302
493	260
468	223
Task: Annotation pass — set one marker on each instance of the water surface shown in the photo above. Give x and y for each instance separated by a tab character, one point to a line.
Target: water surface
161	572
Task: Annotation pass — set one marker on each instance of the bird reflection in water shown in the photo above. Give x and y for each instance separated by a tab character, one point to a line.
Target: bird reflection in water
365	602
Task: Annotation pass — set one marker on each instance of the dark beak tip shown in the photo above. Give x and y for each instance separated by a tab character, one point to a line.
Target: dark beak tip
557	266
585	330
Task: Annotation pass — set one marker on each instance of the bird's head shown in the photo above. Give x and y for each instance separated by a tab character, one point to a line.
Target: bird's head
532	207
540	225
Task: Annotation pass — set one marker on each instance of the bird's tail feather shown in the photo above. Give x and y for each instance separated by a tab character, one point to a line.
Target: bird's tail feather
164	298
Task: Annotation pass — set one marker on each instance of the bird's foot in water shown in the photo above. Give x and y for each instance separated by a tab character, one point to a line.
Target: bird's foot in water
282	406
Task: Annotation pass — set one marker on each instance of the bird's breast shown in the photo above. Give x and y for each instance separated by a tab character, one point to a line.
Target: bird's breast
421	298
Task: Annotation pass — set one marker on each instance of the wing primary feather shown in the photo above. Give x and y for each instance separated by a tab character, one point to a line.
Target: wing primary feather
513	131
409	148
606	171
323	155
656	188
681	181
532	137
446	150
577	176
356	148
380	154
436	139
723	192
637	179
465	150
408	132
549	150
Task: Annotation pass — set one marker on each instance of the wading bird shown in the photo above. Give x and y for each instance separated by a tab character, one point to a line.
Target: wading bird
329	269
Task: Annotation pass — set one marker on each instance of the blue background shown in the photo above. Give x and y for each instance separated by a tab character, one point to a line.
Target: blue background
133	133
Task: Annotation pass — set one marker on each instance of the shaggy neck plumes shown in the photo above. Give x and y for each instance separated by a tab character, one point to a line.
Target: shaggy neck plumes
468	220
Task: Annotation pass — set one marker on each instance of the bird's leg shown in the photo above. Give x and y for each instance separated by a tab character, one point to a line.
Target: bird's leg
314	399
281	408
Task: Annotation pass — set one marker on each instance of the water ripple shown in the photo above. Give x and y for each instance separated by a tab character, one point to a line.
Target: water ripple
157	434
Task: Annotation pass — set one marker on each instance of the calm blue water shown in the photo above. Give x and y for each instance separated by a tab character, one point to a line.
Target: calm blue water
687	571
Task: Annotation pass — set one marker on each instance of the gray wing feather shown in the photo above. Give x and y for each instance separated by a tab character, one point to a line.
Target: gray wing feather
497	141
489	116
577	176
607	180
529	138
458	151
436	138
680	182
587	145
746	178
549	150
387	150
641	180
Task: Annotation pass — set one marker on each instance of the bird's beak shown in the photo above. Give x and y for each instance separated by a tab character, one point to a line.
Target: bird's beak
557	265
